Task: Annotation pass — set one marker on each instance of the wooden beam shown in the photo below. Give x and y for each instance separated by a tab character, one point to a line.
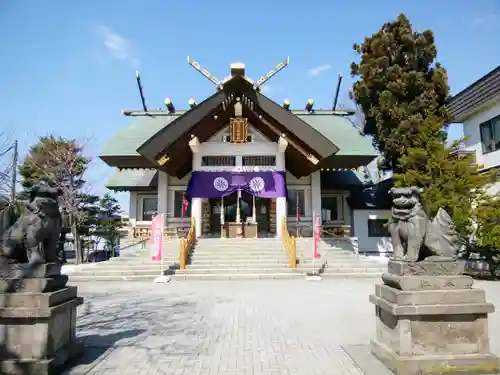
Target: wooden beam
180	152
309	156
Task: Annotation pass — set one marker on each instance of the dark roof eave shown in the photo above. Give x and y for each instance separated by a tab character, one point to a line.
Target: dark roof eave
131	188
127	161
166	136
478	94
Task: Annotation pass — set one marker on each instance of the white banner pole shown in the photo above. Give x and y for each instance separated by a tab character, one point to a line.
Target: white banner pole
162	278
314	244
161	243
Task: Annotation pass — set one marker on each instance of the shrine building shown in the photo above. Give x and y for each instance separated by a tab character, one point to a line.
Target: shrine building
237	163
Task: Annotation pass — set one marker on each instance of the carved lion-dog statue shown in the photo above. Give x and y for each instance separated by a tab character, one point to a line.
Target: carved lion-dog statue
414	236
34	236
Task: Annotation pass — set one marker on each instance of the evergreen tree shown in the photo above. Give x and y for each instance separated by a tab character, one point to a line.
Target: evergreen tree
60	162
450	180
402	92
399	85
109	221
487	231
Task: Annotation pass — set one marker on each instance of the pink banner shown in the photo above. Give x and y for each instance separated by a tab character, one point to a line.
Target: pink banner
316	235
157	237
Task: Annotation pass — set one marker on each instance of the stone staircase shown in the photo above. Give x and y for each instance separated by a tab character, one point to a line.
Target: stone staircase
133	264
338	260
216	259
213	258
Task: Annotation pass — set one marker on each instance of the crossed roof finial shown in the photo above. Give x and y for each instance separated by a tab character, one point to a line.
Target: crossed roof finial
239	69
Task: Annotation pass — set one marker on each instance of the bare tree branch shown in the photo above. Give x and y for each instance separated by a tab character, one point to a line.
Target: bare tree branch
6	150
62	167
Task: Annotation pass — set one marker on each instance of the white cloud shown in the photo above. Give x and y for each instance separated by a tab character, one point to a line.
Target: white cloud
117	46
490	20
317	70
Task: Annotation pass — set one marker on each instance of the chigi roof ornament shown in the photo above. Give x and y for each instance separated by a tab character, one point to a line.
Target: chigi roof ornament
238	69
266	77
195	64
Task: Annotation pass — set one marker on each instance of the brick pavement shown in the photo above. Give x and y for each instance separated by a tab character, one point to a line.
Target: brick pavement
230	327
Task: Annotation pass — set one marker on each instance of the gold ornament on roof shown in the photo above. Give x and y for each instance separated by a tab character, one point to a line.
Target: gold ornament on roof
163	160
238	130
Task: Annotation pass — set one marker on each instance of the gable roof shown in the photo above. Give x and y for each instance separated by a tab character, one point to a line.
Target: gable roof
220	104
474	96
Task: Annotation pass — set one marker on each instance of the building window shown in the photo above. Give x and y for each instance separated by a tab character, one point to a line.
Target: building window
218	161
378	228
227	138
332	208
259	161
149	208
490	135
296	199
178	199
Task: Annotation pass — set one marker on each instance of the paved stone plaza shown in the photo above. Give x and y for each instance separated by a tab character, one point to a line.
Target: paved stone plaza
234	327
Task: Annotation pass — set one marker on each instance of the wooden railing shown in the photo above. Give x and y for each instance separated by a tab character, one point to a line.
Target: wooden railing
141	233
290	244
186	245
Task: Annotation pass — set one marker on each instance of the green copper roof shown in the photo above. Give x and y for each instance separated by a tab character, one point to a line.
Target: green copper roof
138	131
133	179
338	129
342	131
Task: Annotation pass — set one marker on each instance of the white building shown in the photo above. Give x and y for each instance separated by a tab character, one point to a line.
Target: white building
477	107
244	161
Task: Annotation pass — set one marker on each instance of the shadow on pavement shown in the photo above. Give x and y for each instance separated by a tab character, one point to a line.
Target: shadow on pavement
114	330
96	348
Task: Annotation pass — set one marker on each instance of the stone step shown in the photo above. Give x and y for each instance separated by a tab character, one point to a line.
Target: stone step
351	259
93	273
337	258
356	275
139	258
216	261
117	267
349	263
237	276
107	278
236	268
179	275
238	254
239	248
204	277
210	262
341	270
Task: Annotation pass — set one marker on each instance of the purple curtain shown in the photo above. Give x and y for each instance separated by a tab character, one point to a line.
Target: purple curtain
220	184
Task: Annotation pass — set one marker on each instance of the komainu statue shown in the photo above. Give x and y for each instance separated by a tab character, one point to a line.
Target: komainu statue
33	237
414	236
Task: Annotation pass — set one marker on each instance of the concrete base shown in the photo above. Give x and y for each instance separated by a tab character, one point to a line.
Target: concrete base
51	366
435	364
38	329
431	324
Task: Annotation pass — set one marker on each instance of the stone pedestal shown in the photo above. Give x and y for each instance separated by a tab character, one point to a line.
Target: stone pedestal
431	321
37	321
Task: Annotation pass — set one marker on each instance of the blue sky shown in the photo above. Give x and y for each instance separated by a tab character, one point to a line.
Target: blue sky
68	67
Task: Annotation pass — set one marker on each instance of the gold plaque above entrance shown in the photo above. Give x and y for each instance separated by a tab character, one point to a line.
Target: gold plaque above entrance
238	130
